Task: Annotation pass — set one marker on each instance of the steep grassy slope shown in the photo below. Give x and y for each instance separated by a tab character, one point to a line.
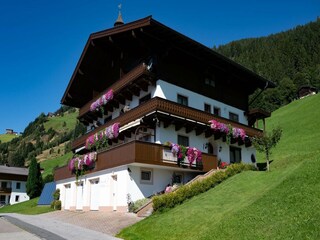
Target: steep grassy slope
281	204
62	123
6	137
50	164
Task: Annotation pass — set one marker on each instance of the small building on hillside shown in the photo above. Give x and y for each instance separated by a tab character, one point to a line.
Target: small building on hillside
168	108
13	185
10	131
307	90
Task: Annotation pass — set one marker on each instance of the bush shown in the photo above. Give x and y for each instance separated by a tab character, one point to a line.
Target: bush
185	192
133	207
56	204
56	194
48	178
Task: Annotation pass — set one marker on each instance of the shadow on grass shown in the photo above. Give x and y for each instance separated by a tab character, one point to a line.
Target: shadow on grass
263	166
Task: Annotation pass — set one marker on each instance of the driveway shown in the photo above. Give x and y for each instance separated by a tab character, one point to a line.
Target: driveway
71	225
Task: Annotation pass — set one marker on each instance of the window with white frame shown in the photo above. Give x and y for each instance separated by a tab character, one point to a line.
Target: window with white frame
146	176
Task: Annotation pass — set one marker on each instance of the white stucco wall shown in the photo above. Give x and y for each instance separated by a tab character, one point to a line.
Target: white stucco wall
21	193
18	192
169	91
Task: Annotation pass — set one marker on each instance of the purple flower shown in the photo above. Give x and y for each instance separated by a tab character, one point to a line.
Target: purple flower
115	129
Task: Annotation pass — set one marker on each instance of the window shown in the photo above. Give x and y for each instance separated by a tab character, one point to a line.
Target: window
207	108
235	155
3	184
146	176
107	119
182	100
145	98
210	82
17	198
217	111
183	140
233	117
18	185
2	199
177	178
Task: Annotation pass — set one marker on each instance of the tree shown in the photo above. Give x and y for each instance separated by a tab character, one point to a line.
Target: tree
34	181
266	141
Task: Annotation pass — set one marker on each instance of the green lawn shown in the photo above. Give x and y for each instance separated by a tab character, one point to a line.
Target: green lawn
281	204
28	207
6	137
49	165
57	122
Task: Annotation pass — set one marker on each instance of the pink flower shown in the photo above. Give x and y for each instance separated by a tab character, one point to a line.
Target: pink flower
115	129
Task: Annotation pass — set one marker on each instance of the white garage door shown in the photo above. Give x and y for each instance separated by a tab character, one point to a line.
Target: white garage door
67	198
94	196
79	196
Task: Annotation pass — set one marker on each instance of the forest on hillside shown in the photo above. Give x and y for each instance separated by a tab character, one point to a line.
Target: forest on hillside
36	138
290	59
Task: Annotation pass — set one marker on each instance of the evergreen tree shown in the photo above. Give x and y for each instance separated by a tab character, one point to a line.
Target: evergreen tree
34	182
290	59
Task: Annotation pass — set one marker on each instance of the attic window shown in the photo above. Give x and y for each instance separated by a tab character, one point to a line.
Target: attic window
210	82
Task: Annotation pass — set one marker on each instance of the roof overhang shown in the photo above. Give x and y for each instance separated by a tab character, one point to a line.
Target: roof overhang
157	30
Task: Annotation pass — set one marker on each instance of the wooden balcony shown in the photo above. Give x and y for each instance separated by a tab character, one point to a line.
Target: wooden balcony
5	190
191	118
132	82
138	152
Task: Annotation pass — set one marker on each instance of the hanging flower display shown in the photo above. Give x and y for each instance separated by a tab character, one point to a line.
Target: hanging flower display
100	139
180	152
239	133
100	102
219	127
80	164
193	155
230	132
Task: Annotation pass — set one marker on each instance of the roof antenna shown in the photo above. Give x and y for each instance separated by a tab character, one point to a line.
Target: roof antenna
119	20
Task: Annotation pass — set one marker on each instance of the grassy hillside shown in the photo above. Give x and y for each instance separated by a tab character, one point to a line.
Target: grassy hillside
62	123
45	138
49	164
6	137
29	207
281	204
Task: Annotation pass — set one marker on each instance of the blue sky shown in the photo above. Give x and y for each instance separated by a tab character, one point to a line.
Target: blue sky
41	40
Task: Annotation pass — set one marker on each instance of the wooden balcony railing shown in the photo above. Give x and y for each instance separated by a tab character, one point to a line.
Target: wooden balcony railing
168	107
5	190
118	85
137	152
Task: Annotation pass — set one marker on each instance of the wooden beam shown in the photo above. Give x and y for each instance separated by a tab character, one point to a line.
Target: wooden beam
178	126
208	133
189	128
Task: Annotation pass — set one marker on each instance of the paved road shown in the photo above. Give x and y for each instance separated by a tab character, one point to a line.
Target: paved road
45	228
9	231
